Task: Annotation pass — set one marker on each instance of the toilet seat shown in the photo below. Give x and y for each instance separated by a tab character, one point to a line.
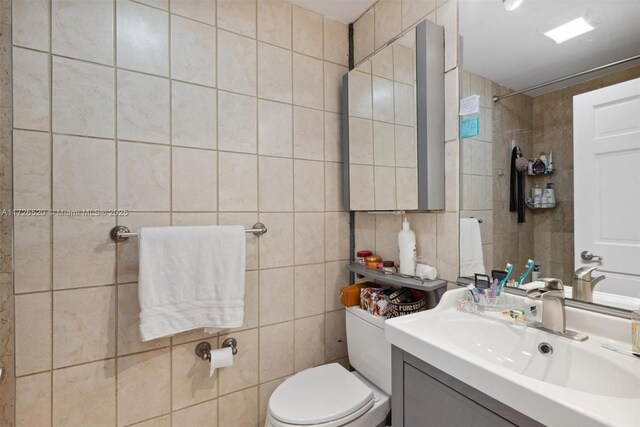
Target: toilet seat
326	395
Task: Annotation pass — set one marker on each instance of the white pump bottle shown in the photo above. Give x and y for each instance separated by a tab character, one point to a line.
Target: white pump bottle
407	247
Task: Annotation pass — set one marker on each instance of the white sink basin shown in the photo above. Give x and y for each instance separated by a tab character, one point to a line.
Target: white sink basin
578	383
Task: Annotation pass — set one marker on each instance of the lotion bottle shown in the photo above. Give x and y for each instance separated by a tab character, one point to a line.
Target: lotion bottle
407	247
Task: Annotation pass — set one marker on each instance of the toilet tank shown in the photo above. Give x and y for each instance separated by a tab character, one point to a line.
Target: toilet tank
369	352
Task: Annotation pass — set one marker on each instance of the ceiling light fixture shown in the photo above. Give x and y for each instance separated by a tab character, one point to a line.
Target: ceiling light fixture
569	30
511	4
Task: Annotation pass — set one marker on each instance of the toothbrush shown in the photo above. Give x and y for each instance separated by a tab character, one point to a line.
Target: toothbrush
509	269
494	289
527	270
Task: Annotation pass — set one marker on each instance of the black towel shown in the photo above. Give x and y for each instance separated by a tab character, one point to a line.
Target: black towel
516	188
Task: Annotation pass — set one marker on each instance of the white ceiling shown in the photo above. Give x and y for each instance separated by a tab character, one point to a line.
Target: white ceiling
510	48
345	11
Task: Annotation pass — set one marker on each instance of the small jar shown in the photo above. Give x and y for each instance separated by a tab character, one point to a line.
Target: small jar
388	267
361	256
373	261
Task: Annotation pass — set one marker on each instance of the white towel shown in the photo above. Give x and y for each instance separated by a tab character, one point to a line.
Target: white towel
471	260
190	278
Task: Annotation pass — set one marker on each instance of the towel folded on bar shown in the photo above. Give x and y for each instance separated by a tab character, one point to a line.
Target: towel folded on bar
190	278
471	258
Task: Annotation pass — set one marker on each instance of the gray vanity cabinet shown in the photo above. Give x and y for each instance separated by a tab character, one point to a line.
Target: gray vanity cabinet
424	396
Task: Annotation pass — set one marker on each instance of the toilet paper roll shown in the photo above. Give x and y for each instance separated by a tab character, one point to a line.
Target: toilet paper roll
220	358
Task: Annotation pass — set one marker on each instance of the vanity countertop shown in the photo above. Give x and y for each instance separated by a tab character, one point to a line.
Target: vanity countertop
579	383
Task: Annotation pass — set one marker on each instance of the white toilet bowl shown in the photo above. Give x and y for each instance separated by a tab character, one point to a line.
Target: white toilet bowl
327	396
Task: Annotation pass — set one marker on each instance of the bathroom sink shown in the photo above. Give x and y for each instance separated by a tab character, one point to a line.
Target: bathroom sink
552	379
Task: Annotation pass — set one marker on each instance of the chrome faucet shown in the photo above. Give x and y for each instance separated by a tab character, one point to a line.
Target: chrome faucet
584	283
553	309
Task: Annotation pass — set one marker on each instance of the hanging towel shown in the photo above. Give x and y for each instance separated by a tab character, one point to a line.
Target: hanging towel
190	278
516	188
471	260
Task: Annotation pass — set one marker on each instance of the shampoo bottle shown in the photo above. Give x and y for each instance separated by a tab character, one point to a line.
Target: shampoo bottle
407	247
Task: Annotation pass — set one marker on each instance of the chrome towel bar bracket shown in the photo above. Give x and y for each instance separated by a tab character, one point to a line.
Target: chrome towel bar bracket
121	233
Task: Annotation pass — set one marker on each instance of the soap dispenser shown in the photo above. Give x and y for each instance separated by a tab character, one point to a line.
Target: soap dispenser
407	247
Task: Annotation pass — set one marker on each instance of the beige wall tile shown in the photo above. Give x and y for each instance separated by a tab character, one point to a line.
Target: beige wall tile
361	177
404	104
382	63
160	4
203	414
128	251
424	225
143	386
33	400
85	395
452	176
30	23
275	127
336	277
384	144
228	414
308	185
194	180
91	314
274	73
274	22
83	30
143	177
336	42
264	391
309	342
276	247
366	231
336	341
308	290
451	105
247	220
84	173
332	137
383	104
336	236
407	185
164	421
237	182
237	121
193	116
33	333
447	16
276	184
415	10
333	86
129	339
307	32
143	107
191	382
149	51
385	188
200	10
236	63
193	51
308	134
31	169
333	186
86	92
388	17
360	96
363	36
238	16
31	91
404	69
244	372
276	351
32	254
387	228
84	254
447	246
308	86
276	295
309	238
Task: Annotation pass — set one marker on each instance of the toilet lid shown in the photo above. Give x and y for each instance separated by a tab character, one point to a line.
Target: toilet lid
319	395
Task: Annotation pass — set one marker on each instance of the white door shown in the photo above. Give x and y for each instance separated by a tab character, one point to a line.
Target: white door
606	138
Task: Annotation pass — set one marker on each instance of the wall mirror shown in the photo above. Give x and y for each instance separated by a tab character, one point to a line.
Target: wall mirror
575	204
394	105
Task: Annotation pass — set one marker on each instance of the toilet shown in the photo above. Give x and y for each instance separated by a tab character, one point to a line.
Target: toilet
331	396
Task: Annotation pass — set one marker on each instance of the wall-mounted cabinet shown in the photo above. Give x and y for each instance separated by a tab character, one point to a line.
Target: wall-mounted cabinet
393	126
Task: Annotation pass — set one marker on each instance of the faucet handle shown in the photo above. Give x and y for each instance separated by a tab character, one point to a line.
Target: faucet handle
553	287
584	273
552	284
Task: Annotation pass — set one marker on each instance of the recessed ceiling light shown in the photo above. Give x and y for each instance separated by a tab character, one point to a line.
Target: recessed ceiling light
569	30
511	4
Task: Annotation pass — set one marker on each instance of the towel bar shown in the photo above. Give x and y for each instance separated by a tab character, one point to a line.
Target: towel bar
120	233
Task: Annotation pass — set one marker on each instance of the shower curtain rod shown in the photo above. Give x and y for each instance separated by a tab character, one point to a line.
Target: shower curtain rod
497	98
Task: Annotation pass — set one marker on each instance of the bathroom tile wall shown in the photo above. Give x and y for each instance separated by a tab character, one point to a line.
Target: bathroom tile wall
7	388
512	121
436	232
476	194
185	113
553	130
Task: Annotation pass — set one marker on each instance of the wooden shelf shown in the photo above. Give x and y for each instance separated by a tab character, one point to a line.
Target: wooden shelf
397	279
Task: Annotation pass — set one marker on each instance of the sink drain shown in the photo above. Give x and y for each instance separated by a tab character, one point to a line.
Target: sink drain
545	348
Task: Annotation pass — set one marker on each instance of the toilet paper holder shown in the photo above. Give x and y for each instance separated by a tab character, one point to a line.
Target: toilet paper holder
203	349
